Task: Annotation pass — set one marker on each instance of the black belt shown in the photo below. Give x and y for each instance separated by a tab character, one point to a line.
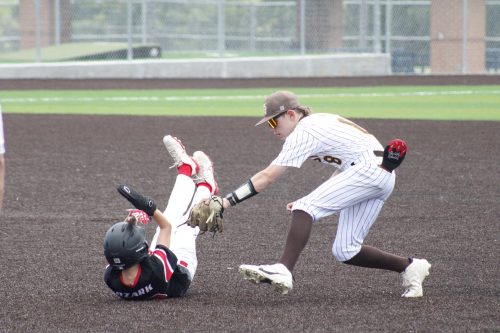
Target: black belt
378	153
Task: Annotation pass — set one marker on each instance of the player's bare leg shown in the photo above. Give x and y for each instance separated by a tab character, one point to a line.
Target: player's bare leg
412	271
297	238
371	257
280	275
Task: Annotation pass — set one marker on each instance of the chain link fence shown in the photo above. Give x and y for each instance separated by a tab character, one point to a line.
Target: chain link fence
61	30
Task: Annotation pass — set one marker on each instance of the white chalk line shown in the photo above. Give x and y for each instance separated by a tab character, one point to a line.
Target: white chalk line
126	99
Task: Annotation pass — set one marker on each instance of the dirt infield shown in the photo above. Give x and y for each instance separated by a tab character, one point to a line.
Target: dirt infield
351	81
61	198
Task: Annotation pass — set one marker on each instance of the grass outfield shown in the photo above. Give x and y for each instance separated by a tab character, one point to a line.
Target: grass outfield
434	103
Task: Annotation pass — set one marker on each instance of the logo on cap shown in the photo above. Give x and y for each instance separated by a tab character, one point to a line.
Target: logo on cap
393	154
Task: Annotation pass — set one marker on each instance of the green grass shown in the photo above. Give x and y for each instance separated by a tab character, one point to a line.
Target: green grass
434	103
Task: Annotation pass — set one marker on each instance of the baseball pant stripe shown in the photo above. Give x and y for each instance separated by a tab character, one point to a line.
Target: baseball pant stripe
345	189
354	224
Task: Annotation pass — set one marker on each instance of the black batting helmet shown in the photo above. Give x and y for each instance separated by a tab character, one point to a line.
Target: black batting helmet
125	245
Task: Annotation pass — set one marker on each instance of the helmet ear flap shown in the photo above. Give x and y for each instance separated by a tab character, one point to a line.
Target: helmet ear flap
125	245
146	249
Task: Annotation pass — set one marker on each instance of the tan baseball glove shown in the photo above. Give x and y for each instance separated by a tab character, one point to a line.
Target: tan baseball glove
207	215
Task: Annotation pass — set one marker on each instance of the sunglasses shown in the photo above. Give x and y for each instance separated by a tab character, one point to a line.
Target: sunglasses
273	122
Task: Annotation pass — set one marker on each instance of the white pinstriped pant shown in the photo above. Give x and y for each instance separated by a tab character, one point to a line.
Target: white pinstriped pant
358	193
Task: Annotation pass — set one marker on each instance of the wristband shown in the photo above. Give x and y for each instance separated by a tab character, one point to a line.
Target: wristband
245	191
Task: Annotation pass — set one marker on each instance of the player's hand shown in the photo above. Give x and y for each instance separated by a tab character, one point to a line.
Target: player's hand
225	203
289	206
137	216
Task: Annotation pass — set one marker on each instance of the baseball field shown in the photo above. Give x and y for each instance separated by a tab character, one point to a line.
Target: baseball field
67	151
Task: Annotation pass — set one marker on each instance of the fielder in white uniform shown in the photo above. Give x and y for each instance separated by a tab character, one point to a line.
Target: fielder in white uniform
357	191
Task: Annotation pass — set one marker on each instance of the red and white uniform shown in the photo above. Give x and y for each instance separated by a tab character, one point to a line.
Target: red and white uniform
167	272
360	188
159	276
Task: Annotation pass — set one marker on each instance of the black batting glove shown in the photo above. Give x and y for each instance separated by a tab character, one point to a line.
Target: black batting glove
139	201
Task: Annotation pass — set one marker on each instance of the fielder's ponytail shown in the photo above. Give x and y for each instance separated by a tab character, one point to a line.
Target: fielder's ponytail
303	110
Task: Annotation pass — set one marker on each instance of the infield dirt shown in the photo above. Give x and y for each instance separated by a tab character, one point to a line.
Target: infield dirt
61	198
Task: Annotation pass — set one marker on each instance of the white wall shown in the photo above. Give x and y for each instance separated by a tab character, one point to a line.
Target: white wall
266	67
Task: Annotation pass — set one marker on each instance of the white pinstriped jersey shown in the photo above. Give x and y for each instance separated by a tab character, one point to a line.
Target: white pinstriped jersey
329	139
358	192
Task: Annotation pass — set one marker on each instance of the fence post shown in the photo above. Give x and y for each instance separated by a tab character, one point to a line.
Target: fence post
144	9
465	18
221	28
129	30
57	22
363	25
388	28
376	26
38	28
253	26
302	27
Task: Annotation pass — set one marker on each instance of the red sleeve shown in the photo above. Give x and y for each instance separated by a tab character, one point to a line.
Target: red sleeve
168	260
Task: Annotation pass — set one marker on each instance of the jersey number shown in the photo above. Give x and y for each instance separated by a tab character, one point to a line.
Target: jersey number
331	159
328	159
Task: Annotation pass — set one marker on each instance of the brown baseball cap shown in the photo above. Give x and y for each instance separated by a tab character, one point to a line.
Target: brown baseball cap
277	103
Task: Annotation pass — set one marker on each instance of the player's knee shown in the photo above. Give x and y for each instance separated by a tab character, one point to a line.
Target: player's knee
300	205
344	252
337	252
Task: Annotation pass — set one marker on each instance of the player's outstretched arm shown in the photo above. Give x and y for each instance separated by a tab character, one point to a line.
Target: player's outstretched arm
258	183
165	228
148	206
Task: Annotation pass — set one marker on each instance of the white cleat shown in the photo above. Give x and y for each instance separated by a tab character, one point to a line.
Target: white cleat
178	152
413	277
206	171
277	275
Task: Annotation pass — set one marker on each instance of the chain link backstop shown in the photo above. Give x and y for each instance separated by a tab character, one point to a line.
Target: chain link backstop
421	36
